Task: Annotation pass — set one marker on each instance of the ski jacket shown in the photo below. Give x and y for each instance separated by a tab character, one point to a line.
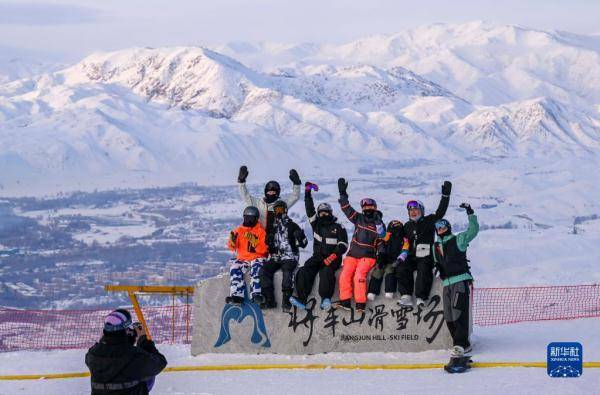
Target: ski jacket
329	237
369	233
421	233
119	367
266	209
286	239
395	242
249	243
450	252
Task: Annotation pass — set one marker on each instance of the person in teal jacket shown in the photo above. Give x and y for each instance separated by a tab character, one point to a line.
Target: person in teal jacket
450	257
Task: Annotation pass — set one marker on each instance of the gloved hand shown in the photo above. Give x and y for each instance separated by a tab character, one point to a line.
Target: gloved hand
329	260
342	186
300	237
294	177
467	207
446	188
309	186
243	174
401	258
233	236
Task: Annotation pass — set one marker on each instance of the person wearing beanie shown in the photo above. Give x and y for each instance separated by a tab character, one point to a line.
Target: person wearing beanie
124	361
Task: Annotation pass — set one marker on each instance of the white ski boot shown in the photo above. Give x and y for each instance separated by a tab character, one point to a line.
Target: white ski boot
371	296
405	300
420	302
389	295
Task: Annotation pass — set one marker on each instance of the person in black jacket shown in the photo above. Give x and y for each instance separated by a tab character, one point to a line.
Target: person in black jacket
420	230
284	243
118	363
330	242
366	247
396	252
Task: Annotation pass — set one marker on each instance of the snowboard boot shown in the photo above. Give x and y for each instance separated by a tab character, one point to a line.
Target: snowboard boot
405	300
420	302
295	302
371	296
458	364
343	304
360	307
235	300
268	304
389	295
457	351
286	306
326	304
258	299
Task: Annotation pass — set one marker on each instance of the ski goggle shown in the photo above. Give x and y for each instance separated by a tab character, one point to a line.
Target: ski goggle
413	204
279	210
367	203
442	223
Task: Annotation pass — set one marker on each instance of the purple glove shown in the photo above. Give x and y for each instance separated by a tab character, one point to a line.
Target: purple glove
309	186
402	258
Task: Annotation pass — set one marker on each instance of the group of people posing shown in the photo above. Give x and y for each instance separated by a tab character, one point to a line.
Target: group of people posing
268	240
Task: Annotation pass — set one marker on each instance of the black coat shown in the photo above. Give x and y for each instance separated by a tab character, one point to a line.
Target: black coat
114	360
423	230
329	237
369	233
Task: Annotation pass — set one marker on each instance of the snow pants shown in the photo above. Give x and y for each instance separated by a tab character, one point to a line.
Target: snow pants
305	278
386	275
267	272
354	278
237	285
456	312
422	284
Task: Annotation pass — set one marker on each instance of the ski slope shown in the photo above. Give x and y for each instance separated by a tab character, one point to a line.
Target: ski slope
524	342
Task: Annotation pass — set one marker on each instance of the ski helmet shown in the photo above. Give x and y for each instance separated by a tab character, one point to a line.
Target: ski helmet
324	207
280	207
416	204
251	215
273	186
368	203
443	223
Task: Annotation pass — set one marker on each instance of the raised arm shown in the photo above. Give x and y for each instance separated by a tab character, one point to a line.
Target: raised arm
293	197
244	194
347	209
444	201
464	238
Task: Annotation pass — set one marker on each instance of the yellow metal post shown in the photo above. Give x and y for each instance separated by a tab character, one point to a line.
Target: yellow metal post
138	312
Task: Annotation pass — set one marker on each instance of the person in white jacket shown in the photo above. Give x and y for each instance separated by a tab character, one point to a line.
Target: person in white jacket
272	192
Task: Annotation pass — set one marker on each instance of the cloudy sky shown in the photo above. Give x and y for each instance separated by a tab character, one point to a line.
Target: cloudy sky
74	28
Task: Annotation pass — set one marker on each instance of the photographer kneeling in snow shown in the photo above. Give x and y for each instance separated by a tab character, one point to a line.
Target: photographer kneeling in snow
450	256
124	361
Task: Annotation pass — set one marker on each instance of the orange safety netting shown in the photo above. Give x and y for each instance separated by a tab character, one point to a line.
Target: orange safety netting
67	329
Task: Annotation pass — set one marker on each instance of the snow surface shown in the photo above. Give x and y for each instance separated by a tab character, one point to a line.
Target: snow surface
524	342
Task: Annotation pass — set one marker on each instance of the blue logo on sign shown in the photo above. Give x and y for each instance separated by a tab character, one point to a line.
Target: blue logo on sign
238	313
565	360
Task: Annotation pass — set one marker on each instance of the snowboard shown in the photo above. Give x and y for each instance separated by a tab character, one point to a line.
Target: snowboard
458	364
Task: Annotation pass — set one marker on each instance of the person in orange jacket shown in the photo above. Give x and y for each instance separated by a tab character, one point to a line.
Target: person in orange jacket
366	247
249	242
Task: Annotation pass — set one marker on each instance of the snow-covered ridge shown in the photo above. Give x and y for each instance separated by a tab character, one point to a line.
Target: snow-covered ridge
189	109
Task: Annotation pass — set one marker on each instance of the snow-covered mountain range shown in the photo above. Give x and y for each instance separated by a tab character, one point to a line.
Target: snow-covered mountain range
456	91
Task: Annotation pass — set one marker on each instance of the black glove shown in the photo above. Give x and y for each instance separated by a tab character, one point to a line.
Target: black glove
446	188
243	174
295	177
300	237
467	207
342	185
